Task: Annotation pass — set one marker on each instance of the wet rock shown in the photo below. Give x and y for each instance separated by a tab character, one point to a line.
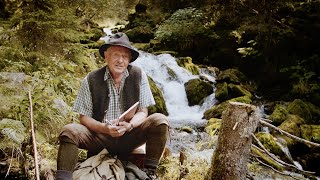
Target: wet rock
186	62
197	90
279	114
310	132
231	76
222	91
292	126
160	106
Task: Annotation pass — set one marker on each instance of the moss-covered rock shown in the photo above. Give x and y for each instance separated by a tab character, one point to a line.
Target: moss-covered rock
221	93
310	132
187	129
216	111
292	126
231	76
197	90
160	106
266	159
270	143
238	90
242	99
186	62
300	108
279	114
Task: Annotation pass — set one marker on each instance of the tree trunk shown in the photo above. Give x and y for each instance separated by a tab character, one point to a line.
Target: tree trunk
229	160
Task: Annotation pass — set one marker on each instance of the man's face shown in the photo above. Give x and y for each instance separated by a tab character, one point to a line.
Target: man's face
118	59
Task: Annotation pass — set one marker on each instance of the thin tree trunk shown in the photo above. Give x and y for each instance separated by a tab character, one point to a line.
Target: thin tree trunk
230	158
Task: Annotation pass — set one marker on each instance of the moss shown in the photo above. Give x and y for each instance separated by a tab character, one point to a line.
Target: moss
213	126
270	143
300	108
238	90
243	99
12	132
292	126
160	106
221	93
216	111
186	62
311	132
267	159
279	114
187	129
232	76
197	90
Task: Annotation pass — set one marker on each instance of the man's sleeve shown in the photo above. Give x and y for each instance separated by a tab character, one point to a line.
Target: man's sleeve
83	103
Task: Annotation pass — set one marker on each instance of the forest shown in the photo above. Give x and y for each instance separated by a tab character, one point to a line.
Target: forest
263	53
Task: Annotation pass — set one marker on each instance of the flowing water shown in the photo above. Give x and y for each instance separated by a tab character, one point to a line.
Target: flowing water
170	78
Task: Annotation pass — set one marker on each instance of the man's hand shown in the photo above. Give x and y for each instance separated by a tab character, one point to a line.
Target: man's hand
127	125
114	131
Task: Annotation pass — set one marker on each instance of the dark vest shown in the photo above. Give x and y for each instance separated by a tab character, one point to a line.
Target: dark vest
100	91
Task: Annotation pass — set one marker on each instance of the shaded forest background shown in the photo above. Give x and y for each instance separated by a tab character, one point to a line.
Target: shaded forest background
54	43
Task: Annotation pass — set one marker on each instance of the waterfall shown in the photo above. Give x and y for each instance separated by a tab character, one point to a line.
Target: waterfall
170	78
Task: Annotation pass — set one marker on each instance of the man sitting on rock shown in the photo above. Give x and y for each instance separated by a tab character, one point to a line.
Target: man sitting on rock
103	96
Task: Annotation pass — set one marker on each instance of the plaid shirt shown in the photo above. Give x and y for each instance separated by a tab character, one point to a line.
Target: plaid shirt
83	104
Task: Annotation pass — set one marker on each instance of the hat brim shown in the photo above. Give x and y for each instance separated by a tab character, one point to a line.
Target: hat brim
134	53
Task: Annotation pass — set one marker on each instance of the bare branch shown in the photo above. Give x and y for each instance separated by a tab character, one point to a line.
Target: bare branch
289	135
34	139
274	169
270	154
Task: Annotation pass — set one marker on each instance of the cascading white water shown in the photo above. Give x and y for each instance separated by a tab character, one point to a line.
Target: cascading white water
172	86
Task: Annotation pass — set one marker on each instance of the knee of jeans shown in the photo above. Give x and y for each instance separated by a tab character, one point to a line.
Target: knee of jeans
157	119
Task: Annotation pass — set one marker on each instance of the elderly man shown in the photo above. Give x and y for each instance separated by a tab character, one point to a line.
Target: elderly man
103	96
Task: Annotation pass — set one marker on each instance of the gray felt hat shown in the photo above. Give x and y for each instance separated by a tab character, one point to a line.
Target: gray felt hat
119	39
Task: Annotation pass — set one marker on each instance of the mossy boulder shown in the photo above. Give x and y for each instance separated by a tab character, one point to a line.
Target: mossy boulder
186	62
197	90
221	93
270	143
160	106
235	90
216	111
302	109
310	132
231	76
292	126
187	129
279	114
